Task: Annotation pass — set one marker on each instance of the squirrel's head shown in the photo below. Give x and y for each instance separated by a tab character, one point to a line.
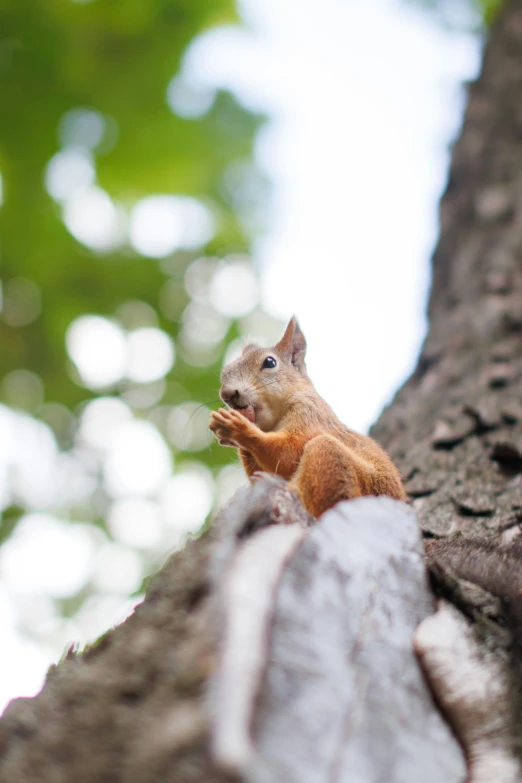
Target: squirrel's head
260	382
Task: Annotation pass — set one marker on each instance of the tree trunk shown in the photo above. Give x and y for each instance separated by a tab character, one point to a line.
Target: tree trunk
455	427
273	650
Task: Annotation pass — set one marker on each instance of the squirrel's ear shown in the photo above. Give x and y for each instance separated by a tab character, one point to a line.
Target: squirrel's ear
292	345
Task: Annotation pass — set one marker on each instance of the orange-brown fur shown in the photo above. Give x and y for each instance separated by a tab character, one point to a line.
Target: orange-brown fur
296	434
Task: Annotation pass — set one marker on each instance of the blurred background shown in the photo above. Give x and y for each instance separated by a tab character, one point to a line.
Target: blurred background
175	177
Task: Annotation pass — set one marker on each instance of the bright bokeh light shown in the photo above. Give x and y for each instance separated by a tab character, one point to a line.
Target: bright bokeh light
76	481
144	395
33	453
34	474
98	613
101	420
202	325
28	559
69	171
150	354
189	99
229	480
187	427
26	662
262	328
93	219
139	461
28	454
98	348
187	499
196	353
161	224
6	444
38	612
198	278
117	570
81	128
103	353
136	522
234	290
234	350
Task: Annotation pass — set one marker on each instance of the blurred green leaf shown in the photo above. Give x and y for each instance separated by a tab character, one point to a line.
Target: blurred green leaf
117	58
490	9
114	60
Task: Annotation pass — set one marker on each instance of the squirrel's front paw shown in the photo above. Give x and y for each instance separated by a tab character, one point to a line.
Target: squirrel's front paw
229	426
219	430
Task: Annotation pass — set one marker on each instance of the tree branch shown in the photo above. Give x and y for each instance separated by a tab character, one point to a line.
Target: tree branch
263	652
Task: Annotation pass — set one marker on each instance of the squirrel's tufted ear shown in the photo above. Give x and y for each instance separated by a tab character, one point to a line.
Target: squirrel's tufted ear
292	345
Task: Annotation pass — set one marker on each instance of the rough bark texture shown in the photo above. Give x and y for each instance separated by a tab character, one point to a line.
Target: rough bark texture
455	428
129	709
138	707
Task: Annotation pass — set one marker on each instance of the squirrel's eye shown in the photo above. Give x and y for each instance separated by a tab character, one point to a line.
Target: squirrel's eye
269	363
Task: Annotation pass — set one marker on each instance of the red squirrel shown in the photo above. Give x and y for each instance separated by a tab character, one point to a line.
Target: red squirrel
281	425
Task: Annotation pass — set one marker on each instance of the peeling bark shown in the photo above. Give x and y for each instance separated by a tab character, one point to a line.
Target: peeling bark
343	697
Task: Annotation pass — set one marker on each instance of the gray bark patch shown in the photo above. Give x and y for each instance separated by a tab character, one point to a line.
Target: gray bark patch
343	697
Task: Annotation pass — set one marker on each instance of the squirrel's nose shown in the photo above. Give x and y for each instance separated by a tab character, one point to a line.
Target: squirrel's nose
229	396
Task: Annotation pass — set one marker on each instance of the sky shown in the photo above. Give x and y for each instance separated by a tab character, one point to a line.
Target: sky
363	97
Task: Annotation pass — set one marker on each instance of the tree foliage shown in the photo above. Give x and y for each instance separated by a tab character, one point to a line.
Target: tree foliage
116	58
84	86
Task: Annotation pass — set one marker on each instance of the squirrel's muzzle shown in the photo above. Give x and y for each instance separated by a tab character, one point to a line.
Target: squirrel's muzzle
230	396
234	399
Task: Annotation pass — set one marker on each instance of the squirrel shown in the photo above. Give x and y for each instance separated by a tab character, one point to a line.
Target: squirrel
281	425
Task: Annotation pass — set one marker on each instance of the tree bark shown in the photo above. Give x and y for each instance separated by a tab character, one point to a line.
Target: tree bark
455	427
271	649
